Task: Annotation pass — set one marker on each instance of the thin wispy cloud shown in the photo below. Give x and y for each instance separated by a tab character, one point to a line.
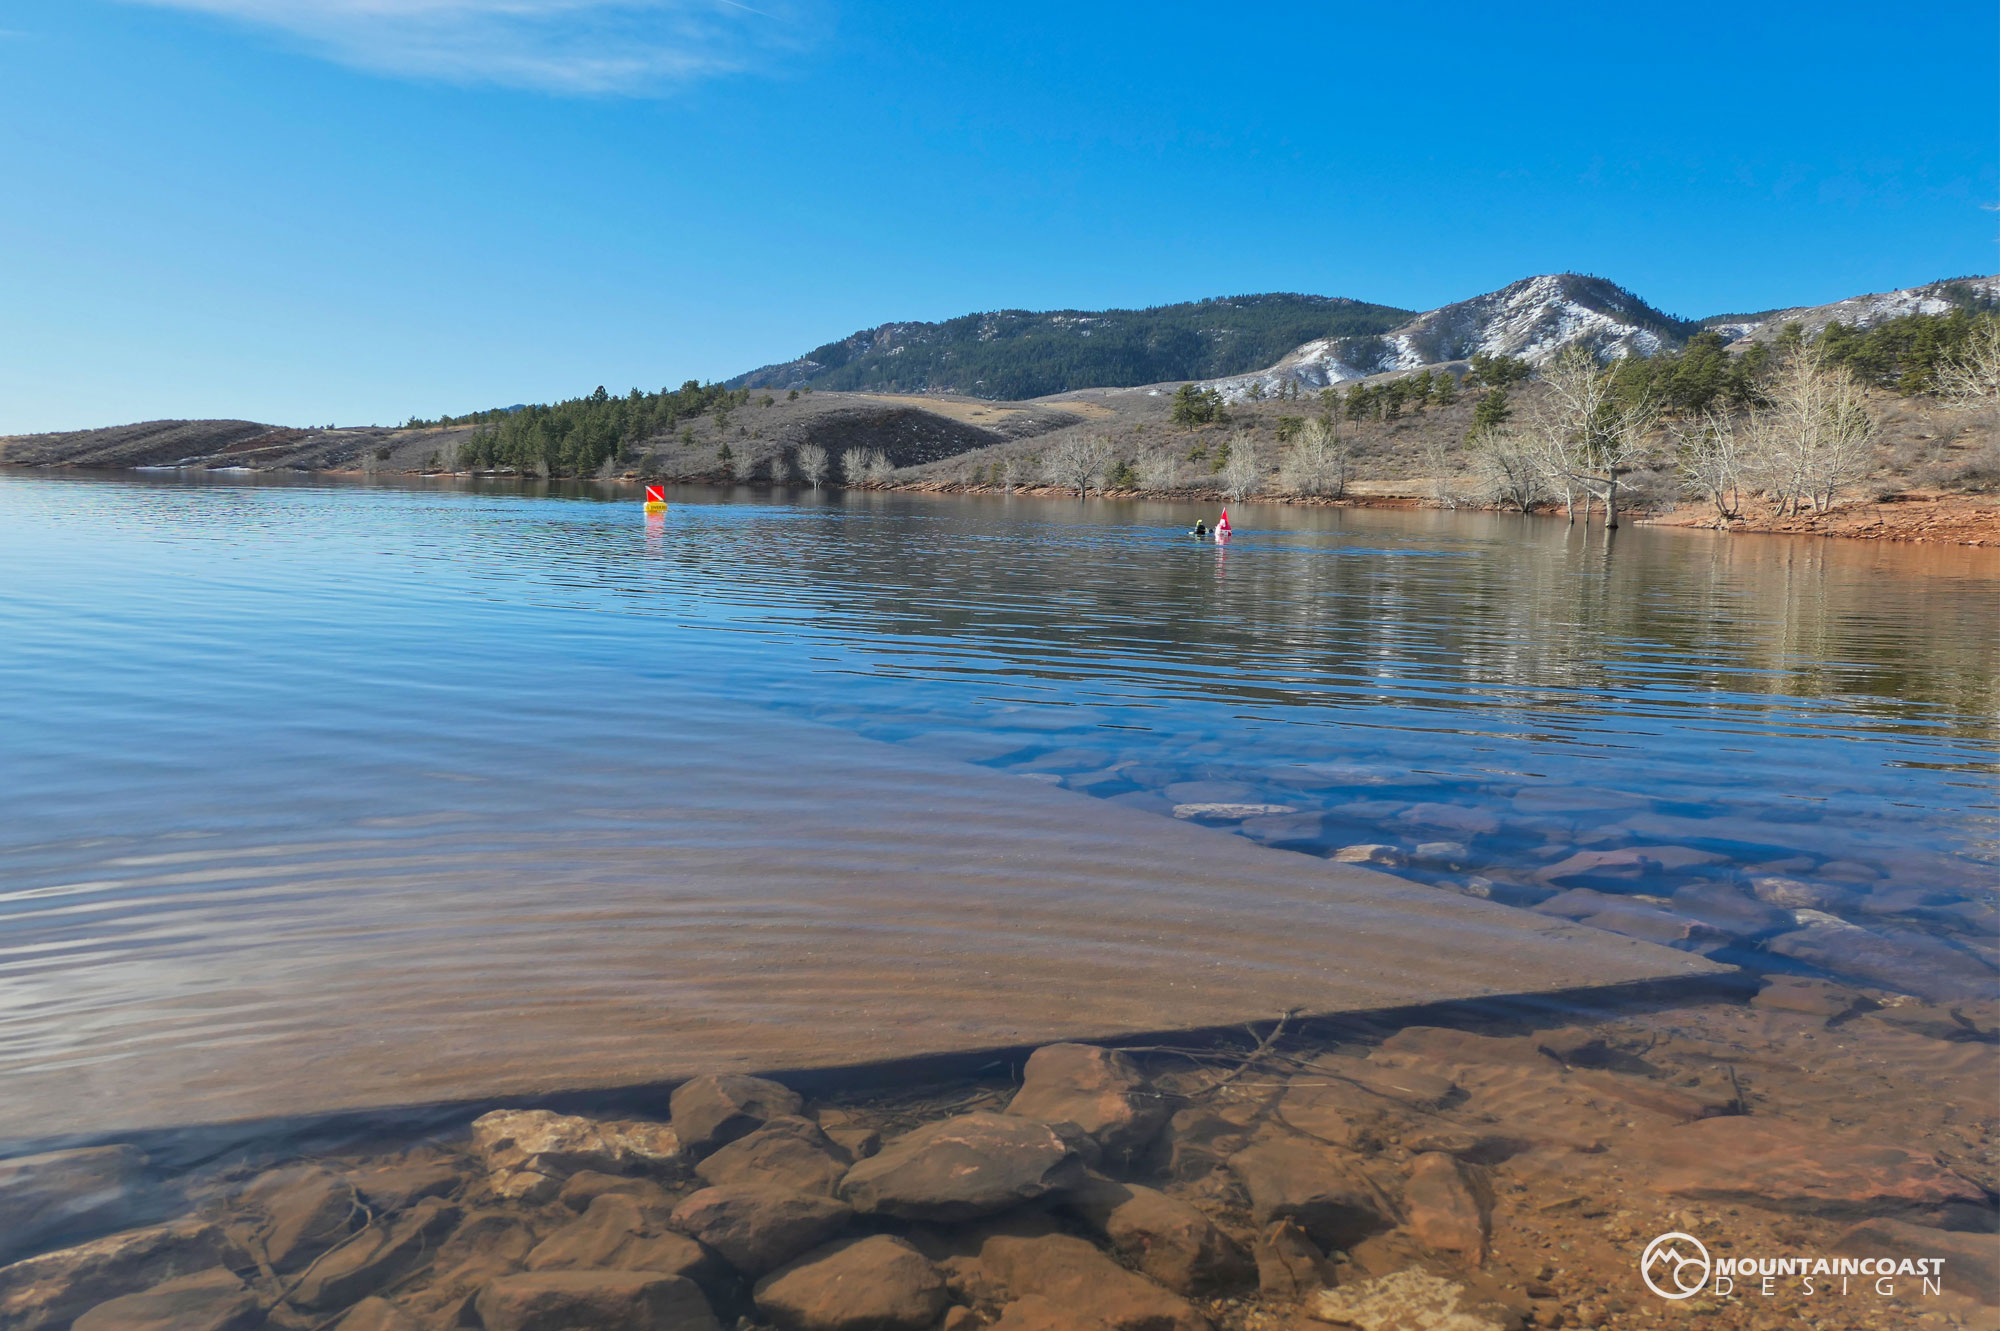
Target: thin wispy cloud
584	47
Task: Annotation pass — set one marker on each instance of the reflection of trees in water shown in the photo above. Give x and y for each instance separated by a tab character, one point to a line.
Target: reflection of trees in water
1426	611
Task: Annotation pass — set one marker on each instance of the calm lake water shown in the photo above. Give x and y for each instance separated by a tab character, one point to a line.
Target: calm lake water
215	691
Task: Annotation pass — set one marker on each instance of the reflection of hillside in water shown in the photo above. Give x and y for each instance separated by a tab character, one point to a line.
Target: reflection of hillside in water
1428	610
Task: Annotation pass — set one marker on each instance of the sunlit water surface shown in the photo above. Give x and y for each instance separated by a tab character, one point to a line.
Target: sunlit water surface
200	677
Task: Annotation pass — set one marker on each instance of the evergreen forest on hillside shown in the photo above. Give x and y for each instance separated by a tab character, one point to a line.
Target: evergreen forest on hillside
1012	355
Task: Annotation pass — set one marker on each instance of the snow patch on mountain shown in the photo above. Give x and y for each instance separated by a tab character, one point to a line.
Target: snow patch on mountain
1867	311
1533	320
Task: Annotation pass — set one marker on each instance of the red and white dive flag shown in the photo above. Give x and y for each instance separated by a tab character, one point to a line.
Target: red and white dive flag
1222	526
656	494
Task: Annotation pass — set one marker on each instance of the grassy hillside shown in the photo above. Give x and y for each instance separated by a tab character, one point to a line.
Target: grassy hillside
1017	354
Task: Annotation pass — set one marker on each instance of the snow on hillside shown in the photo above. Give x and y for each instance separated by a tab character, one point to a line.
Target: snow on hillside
1867	311
1533	320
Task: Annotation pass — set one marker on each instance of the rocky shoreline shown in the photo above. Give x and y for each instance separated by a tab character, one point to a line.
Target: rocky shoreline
1493	1176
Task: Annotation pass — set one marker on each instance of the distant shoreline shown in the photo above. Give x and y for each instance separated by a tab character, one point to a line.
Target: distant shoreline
1919	517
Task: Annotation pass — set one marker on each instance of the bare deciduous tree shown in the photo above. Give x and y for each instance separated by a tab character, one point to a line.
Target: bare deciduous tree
1078	463
1509	468
1583	437
877	467
812	464
1814	436
1710	458
780	468
1318	461
1244	471
1438	462
1971	378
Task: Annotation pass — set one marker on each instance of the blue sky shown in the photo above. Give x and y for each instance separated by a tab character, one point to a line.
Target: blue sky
309	211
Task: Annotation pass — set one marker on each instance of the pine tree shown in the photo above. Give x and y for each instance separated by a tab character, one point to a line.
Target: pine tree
1491	411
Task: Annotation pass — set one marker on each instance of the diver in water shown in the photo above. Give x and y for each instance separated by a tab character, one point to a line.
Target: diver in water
1200	528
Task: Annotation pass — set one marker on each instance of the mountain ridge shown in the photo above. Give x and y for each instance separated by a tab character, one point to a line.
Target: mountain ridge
1532	319
1015	355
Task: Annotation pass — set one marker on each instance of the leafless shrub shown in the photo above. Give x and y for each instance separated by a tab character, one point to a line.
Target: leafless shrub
1244	471
1814	437
1508	469
876	467
1977	468
813	463
779	468
1318	461
1160	471
859	466
1443	471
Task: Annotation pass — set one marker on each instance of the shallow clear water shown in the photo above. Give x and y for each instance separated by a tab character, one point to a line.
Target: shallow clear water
204	676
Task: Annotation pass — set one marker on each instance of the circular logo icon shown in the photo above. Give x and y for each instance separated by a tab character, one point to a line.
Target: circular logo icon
1675	1266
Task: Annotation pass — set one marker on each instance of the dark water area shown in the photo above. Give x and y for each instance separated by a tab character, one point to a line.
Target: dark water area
221	694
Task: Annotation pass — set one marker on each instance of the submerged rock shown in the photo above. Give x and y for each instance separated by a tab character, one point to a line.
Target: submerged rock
1793	894
308	1210
376	1257
1292	1178
1409	1300
1164	1238
617	1233
713	1111
1056	1282
849	1132
1220	812
1441	854
759	1229
1634	919
599	1300
1101	1091
1729	911
586	1187
1200	1140
1780	1166
207	1301
1601	868
529	1152
1460	818
1971	1261
1893	958
48	1291
1808	997
373	1314
785	1152
1449	1205
879	1283
1380	855
1289	1263
69	1195
963	1168
486	1244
